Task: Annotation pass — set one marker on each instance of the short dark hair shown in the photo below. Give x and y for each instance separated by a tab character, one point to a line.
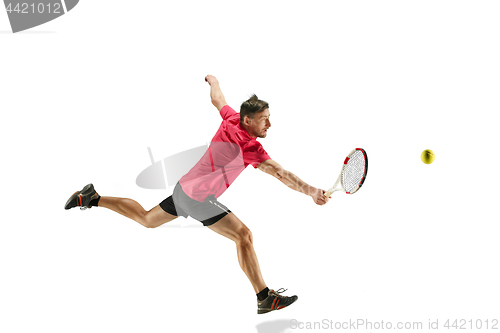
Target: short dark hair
252	106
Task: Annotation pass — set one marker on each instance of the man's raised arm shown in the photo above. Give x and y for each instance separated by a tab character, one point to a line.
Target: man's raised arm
216	95
295	183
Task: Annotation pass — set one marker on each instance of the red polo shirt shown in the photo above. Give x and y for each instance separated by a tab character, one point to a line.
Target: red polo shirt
232	149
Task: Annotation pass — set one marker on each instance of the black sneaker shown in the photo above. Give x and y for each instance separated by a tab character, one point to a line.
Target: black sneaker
275	301
82	198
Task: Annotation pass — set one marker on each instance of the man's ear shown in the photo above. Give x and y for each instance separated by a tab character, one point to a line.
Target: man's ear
246	120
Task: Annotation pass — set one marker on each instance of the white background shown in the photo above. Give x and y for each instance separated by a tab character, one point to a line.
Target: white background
83	96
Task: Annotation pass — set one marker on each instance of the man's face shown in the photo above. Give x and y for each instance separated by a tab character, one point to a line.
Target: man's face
258	126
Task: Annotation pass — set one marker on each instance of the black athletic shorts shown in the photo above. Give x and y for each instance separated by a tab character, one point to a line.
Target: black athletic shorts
207	212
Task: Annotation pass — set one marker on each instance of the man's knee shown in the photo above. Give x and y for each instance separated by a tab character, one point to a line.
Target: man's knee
245	237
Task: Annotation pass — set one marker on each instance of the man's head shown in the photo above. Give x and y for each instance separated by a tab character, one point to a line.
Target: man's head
254	117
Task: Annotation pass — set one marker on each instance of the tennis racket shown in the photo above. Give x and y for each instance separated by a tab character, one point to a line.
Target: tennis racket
353	173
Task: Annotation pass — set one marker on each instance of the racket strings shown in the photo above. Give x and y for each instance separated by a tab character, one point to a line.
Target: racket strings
354	171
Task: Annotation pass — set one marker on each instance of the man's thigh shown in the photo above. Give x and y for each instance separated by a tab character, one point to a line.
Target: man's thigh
229	226
157	216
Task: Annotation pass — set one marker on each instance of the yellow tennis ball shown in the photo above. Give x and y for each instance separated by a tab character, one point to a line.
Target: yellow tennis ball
427	156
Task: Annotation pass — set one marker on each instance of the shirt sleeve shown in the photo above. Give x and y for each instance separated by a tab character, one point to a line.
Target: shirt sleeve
255	155
227	112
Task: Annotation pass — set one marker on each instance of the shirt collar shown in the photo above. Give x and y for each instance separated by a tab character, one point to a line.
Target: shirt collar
246	132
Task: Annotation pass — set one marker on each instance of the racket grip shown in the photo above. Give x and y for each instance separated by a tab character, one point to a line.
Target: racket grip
328	193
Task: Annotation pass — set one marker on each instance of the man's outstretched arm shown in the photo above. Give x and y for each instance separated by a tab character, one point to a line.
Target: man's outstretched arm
295	183
216	95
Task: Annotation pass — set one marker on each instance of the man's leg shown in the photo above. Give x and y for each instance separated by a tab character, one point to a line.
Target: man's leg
231	227
133	210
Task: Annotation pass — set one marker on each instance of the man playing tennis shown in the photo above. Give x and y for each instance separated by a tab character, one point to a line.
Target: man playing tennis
233	148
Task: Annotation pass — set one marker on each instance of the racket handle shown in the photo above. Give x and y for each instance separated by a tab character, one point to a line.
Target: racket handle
329	192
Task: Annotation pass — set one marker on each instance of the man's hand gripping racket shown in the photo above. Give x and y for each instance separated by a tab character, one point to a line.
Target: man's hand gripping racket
353	173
